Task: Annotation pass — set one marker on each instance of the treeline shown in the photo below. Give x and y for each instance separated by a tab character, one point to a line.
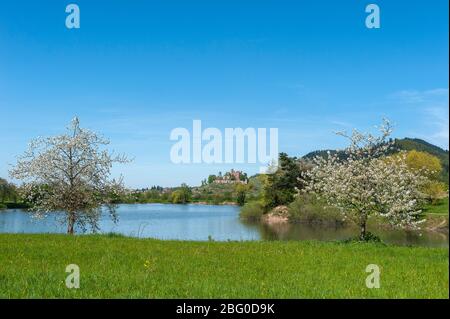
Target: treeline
9	195
205	194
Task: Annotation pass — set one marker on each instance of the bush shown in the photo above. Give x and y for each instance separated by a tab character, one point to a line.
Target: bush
177	197
115	235
307	208
252	211
241	191
369	238
2	206
434	191
182	195
422	160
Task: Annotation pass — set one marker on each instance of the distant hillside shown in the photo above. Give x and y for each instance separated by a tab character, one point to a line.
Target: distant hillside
322	153
220	193
407	144
423	146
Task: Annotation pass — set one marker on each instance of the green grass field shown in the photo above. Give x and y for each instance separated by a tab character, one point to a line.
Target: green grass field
437	215
33	266
441	208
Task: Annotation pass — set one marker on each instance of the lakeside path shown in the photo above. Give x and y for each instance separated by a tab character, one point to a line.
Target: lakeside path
33	266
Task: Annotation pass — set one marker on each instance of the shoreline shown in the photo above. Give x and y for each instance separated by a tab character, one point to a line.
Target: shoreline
190	203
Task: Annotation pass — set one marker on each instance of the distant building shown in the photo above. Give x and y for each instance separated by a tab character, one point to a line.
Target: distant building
232	177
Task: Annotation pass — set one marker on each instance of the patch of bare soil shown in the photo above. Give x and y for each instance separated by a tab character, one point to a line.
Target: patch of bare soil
278	215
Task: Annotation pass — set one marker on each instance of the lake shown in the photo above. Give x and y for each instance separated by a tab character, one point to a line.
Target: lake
204	222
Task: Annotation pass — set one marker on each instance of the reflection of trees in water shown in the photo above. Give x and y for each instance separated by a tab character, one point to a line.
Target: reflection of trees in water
266	232
441	235
426	238
306	231
276	231
412	237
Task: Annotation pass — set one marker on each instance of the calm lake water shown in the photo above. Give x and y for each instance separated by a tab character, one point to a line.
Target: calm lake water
201	222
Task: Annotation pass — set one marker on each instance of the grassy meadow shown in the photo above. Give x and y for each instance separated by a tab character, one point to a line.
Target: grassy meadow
440	208
33	266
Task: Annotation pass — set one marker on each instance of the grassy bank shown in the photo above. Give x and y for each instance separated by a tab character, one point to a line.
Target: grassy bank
440	208
33	266
437	216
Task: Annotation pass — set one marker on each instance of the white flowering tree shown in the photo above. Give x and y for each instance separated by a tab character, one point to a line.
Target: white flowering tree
70	173
362	181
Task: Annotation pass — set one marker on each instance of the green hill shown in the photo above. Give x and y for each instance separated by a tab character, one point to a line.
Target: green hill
225	193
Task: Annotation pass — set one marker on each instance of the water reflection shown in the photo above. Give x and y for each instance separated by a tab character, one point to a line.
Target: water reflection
336	233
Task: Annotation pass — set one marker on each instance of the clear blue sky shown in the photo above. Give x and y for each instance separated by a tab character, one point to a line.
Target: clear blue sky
137	69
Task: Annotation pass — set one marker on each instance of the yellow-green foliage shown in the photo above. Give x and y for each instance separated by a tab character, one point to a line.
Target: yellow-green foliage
421	160
252	210
241	191
177	197
435	190
307	208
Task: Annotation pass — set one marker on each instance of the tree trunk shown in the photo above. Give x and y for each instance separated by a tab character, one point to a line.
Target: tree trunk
362	234
71	223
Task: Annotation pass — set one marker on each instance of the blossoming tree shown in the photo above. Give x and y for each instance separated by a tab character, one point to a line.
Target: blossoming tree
70	173
362	181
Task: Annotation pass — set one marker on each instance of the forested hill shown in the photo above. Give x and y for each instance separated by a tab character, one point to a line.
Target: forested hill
408	144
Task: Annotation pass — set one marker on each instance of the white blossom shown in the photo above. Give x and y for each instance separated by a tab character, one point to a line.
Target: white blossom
363	182
70	173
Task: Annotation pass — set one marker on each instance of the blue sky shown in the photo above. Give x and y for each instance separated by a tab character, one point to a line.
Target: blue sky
137	69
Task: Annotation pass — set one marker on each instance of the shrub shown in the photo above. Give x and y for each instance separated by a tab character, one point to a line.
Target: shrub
434	191
115	235
2	206
252	211
241	191
307	208
182	195
369	238
424	161
177	197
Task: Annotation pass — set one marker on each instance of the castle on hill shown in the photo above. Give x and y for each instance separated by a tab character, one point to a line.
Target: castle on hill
231	177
